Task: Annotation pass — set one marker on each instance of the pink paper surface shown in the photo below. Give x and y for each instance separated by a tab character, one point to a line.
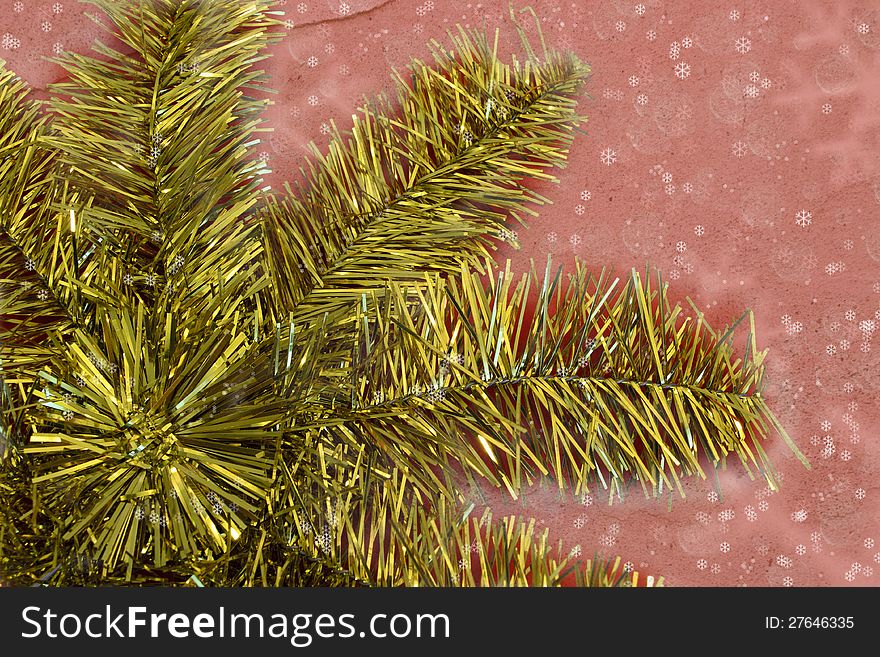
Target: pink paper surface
734	145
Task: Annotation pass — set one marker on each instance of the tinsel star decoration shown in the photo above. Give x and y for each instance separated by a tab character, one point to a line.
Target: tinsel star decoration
205	383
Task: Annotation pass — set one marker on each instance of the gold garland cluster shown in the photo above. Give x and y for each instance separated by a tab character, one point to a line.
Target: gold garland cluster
204	383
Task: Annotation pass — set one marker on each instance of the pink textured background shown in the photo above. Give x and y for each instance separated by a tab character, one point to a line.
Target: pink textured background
736	146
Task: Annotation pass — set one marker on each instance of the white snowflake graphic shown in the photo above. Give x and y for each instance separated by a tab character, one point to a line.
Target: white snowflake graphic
682	70
803	218
739	148
743	45
608	156
9	42
794	328
784	561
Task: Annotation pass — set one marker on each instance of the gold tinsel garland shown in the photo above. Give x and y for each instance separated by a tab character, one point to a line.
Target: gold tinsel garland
203	383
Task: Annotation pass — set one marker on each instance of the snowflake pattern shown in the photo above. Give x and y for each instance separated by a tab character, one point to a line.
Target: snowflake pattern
803	218
743	45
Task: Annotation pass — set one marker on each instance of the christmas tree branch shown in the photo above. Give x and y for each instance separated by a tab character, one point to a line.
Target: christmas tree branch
36	246
158	140
582	382
418	190
25	172
368	526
